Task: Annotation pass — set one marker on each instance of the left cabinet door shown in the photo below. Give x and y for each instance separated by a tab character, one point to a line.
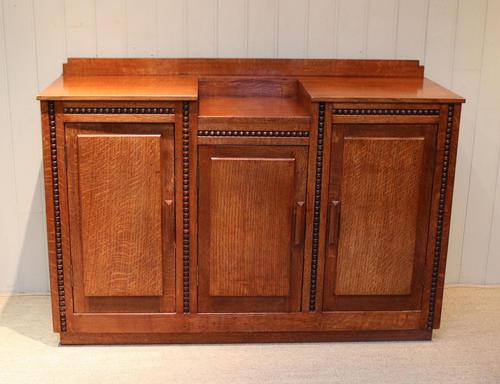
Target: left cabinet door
121	191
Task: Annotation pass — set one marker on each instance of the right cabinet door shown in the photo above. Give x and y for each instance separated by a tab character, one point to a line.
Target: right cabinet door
378	216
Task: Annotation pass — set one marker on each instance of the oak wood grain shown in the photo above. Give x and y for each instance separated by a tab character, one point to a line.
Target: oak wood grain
248	322
92	88
377	89
247	205
241	337
382	179
242	67
120	202
379	215
313	187
121	176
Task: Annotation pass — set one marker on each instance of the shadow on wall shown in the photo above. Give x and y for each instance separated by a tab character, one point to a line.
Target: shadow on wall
29	314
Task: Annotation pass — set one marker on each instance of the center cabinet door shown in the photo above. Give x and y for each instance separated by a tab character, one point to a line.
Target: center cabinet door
379	205
251	228
121	188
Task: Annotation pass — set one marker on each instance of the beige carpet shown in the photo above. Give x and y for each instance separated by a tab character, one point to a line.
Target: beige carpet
465	350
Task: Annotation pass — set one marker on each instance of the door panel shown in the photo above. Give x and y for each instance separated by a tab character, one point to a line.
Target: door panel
380	196
251	204
120	195
119	177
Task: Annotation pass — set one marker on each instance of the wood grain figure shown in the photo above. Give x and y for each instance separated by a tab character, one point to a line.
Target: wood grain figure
247	200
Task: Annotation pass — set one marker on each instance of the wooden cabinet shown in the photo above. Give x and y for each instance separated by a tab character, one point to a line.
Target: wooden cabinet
247	200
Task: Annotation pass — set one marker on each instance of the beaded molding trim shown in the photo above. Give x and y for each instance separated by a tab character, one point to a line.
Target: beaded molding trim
57	216
255	133
386	111
119	111
317	207
185	205
440	217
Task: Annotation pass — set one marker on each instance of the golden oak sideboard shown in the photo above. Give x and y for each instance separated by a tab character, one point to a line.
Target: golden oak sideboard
247	200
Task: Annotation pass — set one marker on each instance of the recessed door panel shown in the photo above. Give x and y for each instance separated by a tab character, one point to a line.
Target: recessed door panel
120	177
251	224
380	196
120	195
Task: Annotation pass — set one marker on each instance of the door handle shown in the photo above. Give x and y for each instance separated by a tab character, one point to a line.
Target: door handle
299	222
170	221
334	222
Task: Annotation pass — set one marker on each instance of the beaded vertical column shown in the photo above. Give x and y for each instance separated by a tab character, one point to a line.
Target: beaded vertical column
57	215
440	218
317	207
185	205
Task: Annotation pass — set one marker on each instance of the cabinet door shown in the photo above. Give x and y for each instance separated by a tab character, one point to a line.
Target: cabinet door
120	184
380	197
251	228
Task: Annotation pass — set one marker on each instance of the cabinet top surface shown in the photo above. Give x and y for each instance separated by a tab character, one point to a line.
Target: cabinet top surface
122	88
353	89
178	79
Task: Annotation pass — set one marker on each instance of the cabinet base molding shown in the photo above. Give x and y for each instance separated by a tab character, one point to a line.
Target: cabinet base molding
69	338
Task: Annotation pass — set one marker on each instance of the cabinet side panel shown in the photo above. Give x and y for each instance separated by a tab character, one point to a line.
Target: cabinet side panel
379	215
120	197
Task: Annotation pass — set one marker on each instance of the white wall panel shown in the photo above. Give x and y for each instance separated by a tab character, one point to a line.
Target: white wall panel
493	263
352	29
111	28
81	39
471	21
50	40
232	28
24	111
412	29
33	270
322	26
202	28
440	44
262	28
382	29
141	28
481	197
8	193
459	40
490	100
292	26
465	82
171	28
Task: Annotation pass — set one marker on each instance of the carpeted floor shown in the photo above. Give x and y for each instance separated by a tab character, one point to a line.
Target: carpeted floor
465	350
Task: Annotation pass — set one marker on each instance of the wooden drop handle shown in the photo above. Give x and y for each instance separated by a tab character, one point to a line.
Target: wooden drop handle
299	222
170	220
334	222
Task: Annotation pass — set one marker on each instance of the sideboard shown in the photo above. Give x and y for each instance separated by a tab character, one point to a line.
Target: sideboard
247	200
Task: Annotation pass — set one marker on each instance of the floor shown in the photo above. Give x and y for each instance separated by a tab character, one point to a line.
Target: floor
465	350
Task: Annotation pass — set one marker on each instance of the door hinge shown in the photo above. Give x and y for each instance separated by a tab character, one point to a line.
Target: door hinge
197	277
71	275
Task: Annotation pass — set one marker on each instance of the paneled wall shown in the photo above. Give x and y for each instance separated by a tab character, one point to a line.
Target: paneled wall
458	41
